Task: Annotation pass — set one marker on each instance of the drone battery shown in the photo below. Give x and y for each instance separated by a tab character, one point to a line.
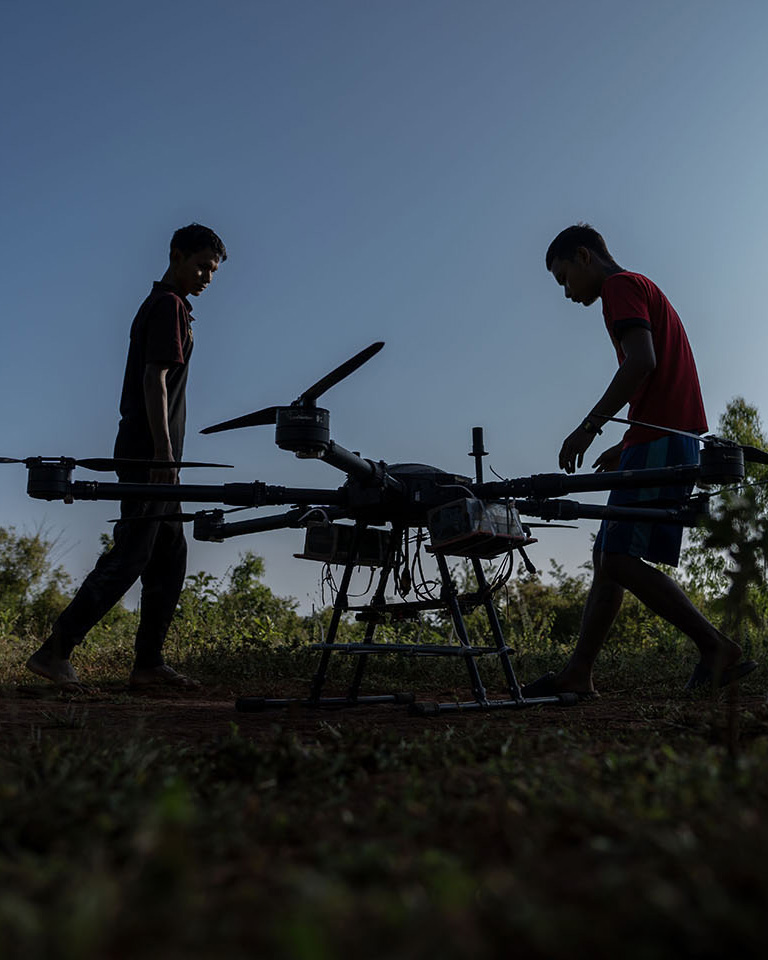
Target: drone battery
332	543
473	528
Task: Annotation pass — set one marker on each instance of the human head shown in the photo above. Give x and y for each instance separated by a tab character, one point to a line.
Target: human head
196	237
196	252
568	241
579	260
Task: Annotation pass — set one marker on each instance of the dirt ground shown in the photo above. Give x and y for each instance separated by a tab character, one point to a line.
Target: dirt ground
208	713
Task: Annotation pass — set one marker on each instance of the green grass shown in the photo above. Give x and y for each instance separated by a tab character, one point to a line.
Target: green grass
634	827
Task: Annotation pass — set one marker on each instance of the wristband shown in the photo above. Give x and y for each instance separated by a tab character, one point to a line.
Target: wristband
588	426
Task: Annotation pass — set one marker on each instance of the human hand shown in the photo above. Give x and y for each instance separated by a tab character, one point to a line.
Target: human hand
573	449
608	459
163	473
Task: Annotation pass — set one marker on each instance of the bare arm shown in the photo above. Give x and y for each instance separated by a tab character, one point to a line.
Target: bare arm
156	402
639	363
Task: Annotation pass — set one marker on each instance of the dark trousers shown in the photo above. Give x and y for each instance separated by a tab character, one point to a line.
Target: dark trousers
154	550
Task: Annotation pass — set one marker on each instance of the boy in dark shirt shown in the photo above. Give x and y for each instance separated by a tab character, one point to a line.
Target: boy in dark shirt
657	378
153	415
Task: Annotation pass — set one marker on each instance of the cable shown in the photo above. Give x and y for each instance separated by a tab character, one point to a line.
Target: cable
367	589
326	580
312	510
424	588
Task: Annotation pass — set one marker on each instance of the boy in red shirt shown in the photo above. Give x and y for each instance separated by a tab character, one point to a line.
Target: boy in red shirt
657	377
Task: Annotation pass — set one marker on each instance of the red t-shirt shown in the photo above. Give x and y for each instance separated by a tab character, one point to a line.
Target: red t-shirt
671	396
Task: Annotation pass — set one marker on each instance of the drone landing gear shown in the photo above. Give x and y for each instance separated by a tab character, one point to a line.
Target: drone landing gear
376	612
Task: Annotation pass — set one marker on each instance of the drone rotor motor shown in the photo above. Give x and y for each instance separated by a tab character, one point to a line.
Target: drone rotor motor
721	463
49	479
303	430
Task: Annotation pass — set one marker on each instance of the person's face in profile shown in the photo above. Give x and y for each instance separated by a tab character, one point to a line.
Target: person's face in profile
577	277
193	272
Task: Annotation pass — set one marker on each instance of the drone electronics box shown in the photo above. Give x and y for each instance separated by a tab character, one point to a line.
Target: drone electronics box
332	543
473	528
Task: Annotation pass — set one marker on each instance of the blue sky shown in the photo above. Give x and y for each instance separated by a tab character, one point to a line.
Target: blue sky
391	169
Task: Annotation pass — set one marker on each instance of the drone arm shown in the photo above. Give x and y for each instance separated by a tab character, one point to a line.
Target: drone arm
350	463
233	494
557	484
54	484
211	527
366	471
572	510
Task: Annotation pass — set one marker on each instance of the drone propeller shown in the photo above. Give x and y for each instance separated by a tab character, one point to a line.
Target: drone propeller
306	399
552	526
751	454
655	426
155	518
754	454
257	419
340	373
110	464
183	517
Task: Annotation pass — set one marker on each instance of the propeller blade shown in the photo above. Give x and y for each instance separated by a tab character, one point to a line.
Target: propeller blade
751	454
552	526
257	419
108	465
184	517
342	371
269	414
654	426
156	518
754	454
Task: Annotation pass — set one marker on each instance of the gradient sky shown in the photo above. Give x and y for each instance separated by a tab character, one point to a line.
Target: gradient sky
389	169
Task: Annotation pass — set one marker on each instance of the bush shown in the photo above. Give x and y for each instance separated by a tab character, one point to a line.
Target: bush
33	590
237	615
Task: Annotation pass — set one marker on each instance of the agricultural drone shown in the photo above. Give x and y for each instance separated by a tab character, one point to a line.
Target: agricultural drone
452	516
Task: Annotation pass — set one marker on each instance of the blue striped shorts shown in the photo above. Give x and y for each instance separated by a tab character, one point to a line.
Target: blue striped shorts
655	542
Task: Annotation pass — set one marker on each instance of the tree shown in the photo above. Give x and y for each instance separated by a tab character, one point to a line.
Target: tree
727	557
33	590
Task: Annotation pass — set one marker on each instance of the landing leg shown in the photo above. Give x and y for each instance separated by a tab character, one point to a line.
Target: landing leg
496	631
377	601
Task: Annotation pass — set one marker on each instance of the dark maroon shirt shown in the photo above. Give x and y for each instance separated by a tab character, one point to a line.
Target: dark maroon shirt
161	333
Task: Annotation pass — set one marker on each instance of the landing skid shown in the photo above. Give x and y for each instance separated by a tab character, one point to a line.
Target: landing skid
376	612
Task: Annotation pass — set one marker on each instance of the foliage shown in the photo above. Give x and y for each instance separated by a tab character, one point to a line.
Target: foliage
237	616
32	587
725	561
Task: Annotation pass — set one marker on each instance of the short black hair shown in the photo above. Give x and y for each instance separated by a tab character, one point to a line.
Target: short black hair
196	237
568	241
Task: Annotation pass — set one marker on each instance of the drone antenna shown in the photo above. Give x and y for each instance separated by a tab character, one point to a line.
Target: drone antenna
478	451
